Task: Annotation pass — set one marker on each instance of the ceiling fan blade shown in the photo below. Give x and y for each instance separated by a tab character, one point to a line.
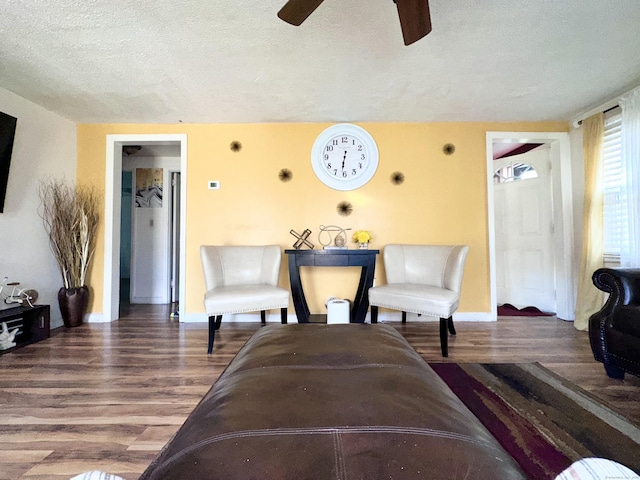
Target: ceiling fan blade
415	19
296	11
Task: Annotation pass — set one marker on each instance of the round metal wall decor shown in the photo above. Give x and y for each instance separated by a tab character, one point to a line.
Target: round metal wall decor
344	208
397	178
285	175
449	148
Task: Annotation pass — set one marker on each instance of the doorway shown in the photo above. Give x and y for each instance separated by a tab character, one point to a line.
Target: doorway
561	197
152	169
113	188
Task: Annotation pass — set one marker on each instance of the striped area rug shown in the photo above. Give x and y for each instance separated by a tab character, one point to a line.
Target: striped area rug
541	419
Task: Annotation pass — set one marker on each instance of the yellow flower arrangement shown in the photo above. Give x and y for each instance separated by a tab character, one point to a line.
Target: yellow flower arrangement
362	236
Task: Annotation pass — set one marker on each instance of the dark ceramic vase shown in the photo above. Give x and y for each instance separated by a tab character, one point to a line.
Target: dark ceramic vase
73	304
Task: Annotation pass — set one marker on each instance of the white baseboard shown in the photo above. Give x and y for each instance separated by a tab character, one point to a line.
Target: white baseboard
193	317
475	317
382	317
457	317
238	317
94	318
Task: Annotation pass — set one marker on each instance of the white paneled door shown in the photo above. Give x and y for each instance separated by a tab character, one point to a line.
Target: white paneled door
524	232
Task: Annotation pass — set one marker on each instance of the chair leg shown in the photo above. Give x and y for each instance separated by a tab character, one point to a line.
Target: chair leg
614	372
214	324
444	337
374	314
404	317
263	317
450	326
283	316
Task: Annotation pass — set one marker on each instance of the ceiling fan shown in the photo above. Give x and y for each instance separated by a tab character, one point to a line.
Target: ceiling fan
415	19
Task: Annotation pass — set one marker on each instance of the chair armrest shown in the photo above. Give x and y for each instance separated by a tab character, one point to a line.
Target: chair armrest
622	285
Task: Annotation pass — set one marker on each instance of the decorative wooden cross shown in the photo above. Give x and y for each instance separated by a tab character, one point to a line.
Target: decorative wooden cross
302	239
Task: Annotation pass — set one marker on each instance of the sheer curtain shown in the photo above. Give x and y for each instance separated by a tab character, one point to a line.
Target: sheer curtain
590	298
630	105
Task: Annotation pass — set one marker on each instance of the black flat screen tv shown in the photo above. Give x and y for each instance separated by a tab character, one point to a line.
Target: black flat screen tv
7	134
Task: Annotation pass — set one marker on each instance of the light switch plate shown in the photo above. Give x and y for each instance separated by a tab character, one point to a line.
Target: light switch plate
214	185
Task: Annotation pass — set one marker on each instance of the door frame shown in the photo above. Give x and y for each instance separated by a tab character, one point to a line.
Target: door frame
175	245
563	235
113	187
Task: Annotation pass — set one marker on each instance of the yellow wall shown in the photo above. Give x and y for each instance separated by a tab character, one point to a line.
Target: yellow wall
442	200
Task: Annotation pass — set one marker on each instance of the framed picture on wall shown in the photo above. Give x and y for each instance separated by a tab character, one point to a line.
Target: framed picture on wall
149	187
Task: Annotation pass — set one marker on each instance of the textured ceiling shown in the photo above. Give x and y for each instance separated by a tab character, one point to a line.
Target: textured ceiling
222	61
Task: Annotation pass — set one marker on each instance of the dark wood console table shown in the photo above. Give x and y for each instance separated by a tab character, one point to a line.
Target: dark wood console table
332	258
33	322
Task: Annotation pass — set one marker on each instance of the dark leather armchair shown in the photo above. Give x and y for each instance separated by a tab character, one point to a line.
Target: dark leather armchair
614	331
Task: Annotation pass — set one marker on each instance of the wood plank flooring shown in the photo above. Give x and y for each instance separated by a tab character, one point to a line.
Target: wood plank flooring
109	396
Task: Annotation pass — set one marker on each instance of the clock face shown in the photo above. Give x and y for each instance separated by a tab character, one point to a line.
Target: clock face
344	157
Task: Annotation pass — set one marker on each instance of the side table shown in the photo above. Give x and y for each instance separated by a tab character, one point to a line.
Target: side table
33	324
332	258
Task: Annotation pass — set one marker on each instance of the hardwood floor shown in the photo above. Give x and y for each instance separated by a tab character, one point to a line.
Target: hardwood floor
108	396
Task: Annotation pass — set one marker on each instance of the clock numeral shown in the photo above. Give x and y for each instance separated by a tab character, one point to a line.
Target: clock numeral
359	147
344	174
360	165
353	172
328	166
329	148
326	156
345	139
334	142
363	157
335	172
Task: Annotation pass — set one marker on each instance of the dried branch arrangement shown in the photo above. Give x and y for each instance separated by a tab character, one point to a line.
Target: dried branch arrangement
70	215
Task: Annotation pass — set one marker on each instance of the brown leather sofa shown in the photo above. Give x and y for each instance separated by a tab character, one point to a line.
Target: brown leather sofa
614	331
335	401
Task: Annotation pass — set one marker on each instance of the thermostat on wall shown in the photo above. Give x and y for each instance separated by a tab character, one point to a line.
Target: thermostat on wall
214	185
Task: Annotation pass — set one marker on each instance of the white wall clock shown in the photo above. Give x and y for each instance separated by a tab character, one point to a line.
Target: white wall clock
344	156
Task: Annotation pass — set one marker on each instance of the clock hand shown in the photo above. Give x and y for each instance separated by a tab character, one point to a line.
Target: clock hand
344	158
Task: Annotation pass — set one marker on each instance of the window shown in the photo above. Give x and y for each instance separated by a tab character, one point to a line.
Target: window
513	172
614	186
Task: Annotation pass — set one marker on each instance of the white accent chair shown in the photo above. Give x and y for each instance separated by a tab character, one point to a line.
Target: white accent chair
241	279
422	279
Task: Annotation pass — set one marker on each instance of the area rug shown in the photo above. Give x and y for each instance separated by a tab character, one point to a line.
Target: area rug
541	419
508	310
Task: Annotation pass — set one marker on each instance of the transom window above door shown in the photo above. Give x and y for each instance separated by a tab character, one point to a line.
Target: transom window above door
514	171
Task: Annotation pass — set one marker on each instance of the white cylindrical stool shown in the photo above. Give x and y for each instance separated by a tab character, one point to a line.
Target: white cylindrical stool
337	310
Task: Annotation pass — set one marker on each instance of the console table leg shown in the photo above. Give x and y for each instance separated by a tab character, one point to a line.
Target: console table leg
361	301
299	300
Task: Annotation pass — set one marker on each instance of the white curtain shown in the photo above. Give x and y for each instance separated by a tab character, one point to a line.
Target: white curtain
630	105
